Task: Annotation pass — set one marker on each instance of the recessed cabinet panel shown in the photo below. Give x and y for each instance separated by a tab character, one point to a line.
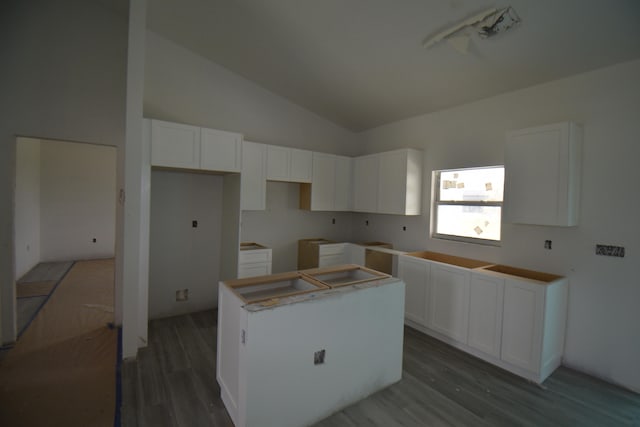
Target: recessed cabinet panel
542	175
392	178
449	301
175	145
415	275
324	182
485	313
253	183
522	324
301	165
343	184
278	163
220	150
365	185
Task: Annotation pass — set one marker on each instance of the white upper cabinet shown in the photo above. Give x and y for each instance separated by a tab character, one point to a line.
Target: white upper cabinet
182	146
300	165
365	183
220	150
288	164
253	182
542	175
389	183
330	188
175	145
342	198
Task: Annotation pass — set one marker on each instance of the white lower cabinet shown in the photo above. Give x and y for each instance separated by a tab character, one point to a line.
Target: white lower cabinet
486	295
415	273
510	317
522	328
332	254
449	301
254	262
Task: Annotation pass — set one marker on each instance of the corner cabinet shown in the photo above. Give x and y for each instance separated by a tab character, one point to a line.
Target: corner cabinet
181	146
288	164
542	175
389	182
253	181
331	184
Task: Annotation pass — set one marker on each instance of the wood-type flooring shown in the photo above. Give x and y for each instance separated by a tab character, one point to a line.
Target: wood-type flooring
173	383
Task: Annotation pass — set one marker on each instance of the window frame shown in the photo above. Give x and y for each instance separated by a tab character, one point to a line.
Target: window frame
436	176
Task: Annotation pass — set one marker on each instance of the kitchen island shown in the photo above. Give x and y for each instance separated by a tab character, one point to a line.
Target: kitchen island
294	348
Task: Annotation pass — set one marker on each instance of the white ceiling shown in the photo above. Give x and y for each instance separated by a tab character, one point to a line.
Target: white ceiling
360	63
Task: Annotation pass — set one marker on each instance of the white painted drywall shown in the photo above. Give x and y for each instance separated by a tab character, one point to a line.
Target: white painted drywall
183	87
282	224
230	227
64	78
362	333
27	207
183	257
603	335
136	196
77	201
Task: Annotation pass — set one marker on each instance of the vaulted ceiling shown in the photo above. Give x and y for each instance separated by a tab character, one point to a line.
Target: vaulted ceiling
360	63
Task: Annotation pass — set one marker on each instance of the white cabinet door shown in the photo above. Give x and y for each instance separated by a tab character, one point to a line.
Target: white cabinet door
415	274
278	163
485	313
542	175
449	301
175	145
300	165
392	182
365	184
522	324
324	182
253	181
343	184
220	150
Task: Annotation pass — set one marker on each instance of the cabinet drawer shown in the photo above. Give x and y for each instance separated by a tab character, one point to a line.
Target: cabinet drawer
250	257
331	249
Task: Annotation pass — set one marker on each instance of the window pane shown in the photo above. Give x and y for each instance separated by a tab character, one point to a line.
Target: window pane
477	185
478	222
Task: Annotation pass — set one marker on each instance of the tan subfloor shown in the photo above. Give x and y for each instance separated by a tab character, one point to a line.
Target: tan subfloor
62	370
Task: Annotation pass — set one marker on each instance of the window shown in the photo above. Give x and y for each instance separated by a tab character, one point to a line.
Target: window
468	204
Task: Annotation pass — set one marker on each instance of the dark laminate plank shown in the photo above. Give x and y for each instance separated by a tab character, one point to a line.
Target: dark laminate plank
441	386
46	271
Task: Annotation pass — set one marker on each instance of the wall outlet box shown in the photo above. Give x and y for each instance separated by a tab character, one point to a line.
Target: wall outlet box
182	295
608	250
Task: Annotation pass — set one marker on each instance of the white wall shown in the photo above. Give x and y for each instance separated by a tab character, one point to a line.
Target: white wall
78	201
282	224
181	256
603	336
181	86
63	78
27	205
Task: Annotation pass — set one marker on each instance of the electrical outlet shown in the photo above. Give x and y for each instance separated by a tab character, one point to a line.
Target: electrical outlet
318	357
94	240
547	244
333	221
182	295
404	228
366	222
194	223
608	250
